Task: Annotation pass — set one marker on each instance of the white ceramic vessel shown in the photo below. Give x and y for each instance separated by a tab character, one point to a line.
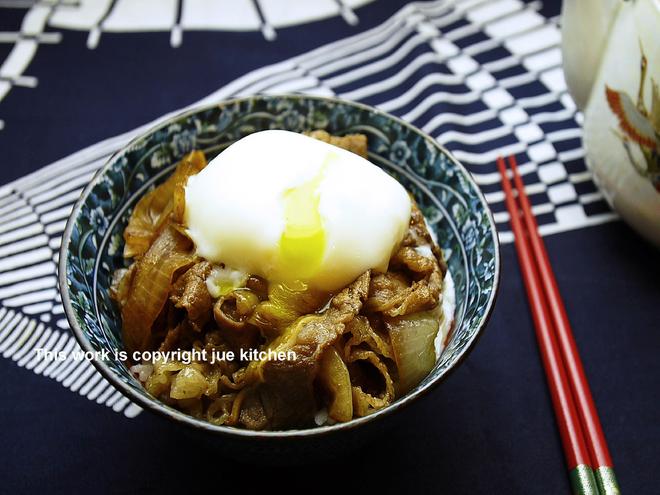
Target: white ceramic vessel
611	52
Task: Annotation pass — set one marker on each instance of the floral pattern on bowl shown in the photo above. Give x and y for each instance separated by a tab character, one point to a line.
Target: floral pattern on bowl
452	203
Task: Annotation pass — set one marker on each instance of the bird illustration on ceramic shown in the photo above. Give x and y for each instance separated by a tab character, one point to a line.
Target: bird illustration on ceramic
638	126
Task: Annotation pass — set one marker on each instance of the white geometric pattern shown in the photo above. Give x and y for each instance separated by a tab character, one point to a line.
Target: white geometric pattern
174	16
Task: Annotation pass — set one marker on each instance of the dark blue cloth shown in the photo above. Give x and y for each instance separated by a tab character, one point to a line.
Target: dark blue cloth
488	429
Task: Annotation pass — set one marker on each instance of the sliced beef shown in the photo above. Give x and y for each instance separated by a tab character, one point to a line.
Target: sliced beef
357	143
414	280
285	388
190	293
410	258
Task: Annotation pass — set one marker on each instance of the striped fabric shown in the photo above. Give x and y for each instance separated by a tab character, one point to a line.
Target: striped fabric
483	77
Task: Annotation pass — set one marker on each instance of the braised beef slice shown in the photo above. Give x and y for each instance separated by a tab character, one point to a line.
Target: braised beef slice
237	332
414	281
286	391
190	293
171	338
357	143
253	415
418	235
408	257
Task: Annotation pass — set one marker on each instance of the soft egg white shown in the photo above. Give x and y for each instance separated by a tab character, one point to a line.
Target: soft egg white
290	208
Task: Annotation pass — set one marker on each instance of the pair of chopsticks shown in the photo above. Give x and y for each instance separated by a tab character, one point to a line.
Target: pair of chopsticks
585	447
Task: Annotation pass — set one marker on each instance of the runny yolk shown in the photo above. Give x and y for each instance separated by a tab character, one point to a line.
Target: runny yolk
302	245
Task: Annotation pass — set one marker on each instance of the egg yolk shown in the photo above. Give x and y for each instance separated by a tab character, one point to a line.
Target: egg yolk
303	241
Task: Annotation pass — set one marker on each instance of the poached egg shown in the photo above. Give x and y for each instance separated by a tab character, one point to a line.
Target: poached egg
290	208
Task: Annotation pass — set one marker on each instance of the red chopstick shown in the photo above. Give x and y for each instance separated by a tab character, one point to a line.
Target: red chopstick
577	445
593	432
570	429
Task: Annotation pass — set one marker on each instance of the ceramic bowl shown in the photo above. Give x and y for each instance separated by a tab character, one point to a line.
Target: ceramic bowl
452	203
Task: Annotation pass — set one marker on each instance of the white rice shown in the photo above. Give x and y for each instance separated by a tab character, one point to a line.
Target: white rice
321	417
142	371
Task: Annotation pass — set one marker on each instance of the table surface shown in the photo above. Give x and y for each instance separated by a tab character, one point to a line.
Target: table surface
72	78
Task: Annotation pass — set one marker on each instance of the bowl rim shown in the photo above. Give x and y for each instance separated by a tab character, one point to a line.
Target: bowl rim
153	404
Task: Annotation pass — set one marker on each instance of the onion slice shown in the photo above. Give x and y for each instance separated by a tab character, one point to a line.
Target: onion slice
154	208
151	284
412	339
334	377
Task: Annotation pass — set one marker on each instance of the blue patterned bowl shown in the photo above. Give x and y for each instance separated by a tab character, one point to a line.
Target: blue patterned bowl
452	203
